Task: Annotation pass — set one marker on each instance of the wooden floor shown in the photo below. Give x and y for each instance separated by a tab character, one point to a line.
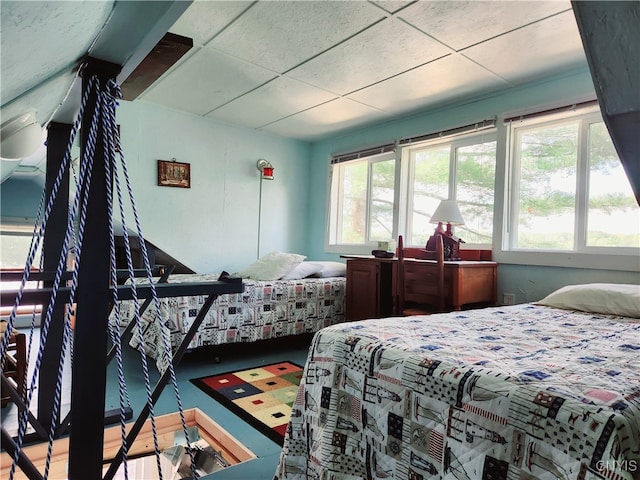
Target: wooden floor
195	364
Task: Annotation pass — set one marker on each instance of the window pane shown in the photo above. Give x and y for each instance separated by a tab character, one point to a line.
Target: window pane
14	250
382	191
614	216
430	185
546	208
354	203
475	180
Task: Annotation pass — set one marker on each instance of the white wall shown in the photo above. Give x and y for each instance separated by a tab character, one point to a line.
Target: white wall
213	225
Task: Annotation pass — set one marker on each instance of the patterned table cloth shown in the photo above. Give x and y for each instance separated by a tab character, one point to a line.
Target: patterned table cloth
521	392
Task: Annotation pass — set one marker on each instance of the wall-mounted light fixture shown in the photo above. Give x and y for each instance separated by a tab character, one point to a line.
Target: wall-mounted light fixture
266	169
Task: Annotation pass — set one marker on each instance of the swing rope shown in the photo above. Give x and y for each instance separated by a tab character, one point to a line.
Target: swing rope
104	110
110	120
23	416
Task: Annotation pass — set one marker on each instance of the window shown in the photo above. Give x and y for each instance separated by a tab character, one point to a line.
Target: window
569	191
15	243
362	200
14	246
462	169
374	196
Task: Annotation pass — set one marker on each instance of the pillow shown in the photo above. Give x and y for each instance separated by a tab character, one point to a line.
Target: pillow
272	266
303	270
331	269
608	298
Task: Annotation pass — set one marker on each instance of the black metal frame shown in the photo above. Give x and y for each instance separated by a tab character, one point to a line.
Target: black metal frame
93	298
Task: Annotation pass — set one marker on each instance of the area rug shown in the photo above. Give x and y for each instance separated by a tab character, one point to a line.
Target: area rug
262	396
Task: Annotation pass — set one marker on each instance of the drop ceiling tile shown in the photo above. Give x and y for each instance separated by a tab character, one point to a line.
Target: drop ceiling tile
39	39
382	51
392	6
325	119
205	81
449	78
533	52
275	100
280	35
476	21
204	19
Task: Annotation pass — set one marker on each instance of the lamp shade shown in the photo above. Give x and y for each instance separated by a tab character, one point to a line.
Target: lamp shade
448	212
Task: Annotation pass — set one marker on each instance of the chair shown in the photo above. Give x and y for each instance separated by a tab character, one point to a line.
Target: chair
420	285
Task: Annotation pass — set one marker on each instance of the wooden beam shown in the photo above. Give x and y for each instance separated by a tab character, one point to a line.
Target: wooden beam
164	55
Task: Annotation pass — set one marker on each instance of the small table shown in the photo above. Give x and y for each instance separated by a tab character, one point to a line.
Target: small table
371	285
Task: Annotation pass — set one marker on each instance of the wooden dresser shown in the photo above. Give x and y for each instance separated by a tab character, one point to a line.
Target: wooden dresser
371	284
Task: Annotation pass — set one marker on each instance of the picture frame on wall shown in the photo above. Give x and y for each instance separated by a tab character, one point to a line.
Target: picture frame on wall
174	174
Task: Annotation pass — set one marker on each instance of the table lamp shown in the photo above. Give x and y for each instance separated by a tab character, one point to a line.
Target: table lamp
449	213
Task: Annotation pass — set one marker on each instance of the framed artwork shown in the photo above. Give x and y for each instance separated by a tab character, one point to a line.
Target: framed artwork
174	174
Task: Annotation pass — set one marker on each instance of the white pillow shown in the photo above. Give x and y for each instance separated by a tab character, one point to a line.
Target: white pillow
272	266
303	270
331	269
608	298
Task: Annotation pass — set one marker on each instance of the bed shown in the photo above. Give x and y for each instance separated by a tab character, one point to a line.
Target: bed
531	391
266	309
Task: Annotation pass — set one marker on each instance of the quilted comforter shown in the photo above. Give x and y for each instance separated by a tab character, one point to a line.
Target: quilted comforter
521	392
264	310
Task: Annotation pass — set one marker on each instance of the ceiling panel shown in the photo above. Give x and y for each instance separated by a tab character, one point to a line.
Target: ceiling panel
205	18
557	48
460	24
277	99
279	65
324	119
280	35
432	84
392	6
205	81
382	51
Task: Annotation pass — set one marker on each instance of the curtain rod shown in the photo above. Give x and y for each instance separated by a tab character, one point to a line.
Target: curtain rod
551	111
473	127
368	152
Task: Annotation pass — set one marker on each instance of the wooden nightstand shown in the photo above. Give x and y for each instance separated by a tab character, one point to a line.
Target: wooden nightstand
371	285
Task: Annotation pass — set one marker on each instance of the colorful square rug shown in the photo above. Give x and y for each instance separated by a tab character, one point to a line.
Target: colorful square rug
262	396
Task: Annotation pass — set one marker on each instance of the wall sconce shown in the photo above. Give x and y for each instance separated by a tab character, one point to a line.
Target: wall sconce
266	169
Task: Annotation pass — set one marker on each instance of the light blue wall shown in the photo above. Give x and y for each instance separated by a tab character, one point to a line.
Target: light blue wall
214	224
527	282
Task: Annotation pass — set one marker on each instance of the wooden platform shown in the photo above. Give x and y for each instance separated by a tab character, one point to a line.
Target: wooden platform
166	426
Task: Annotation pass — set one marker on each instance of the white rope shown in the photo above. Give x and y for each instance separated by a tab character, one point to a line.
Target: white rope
156	301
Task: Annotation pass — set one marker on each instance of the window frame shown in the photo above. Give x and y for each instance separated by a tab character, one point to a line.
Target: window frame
582	255
335	208
454	142
402	189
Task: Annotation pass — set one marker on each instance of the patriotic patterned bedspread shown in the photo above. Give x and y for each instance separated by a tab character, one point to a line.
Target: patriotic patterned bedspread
521	392
266	309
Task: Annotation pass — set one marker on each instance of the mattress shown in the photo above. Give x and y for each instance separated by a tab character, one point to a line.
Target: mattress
521	392
264	310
